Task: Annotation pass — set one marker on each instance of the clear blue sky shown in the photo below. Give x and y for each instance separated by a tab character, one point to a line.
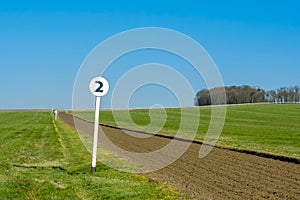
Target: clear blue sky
43	43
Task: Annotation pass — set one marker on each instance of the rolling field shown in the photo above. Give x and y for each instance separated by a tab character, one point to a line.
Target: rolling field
266	128
43	160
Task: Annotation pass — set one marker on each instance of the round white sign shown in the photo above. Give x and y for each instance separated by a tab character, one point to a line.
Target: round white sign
99	86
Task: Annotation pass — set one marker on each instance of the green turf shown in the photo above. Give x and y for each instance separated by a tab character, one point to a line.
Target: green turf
267	128
38	162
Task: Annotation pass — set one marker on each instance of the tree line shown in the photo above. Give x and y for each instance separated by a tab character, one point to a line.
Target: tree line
247	94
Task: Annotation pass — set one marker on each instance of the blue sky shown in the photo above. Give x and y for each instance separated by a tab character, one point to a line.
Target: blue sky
43	43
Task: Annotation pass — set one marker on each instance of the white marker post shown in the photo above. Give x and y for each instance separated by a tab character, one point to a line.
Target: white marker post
55	114
98	87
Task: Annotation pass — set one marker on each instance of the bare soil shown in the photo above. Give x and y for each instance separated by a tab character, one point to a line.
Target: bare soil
223	174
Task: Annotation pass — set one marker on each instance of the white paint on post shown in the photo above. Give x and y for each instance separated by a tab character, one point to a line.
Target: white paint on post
95	142
98	87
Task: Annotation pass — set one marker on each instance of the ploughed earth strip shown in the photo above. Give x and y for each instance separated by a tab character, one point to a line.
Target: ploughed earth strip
223	174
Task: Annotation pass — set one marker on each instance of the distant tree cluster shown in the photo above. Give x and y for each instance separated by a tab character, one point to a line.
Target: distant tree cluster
284	95
247	94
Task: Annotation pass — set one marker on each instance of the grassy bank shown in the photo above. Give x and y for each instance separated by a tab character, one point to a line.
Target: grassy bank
39	161
268	128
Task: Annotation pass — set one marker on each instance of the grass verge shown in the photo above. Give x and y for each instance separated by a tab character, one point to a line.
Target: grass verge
43	161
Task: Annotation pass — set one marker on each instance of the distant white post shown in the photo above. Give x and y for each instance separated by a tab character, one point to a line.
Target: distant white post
98	87
55	114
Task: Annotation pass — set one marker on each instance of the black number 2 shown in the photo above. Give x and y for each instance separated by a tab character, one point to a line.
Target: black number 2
100	86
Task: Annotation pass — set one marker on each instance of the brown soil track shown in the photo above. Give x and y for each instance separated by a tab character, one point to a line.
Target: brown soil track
223	174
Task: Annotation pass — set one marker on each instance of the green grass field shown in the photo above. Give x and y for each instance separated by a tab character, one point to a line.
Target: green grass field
266	128
39	161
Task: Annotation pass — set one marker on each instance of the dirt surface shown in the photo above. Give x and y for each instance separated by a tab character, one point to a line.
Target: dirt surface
223	174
